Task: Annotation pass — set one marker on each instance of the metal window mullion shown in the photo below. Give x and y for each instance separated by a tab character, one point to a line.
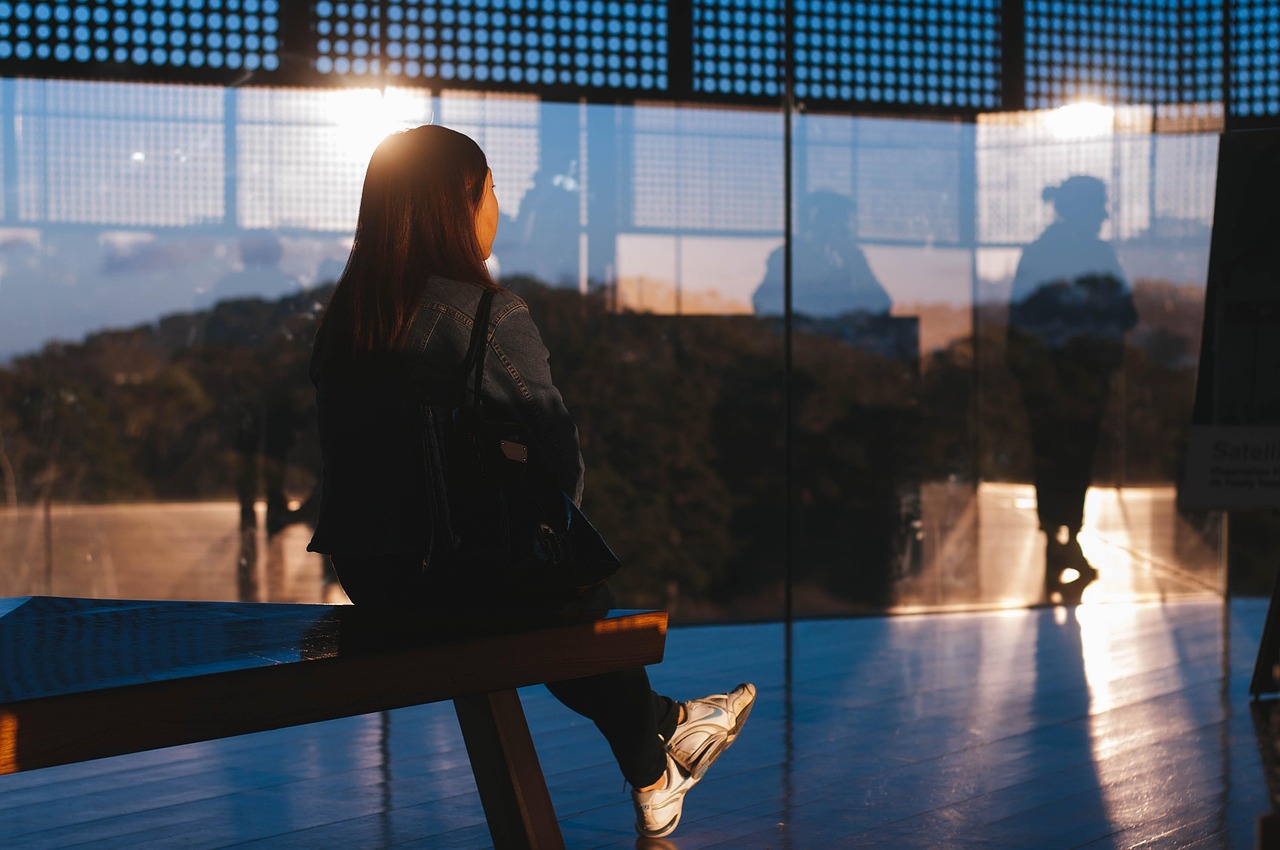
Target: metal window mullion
8	103
680	48
1013	54
230	158
788	322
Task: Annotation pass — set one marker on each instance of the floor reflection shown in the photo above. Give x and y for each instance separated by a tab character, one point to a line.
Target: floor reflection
1142	548
182	550
978	550
1266	726
1108	726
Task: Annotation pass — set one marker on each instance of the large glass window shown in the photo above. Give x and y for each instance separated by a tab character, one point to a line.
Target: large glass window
1092	254
165	250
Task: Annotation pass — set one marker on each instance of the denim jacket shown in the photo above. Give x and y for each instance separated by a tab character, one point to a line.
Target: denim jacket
373	497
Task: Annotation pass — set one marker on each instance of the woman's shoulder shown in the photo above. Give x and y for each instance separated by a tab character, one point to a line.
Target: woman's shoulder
461	299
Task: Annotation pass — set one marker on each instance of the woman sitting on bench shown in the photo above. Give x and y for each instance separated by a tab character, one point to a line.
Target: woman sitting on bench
397	330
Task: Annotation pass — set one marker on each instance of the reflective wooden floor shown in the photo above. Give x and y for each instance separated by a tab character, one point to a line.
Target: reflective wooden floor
1113	725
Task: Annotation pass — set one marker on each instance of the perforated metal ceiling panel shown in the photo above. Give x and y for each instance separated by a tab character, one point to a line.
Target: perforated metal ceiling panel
738	47
233	34
903	55
582	43
1117	51
928	53
921	53
1255	50
1201	51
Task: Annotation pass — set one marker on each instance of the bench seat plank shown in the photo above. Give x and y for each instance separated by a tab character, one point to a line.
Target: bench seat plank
83	679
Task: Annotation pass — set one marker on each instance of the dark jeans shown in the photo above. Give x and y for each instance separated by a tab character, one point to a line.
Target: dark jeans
632	717
1066	401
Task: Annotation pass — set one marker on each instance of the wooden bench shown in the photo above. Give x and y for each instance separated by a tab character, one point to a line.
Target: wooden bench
83	679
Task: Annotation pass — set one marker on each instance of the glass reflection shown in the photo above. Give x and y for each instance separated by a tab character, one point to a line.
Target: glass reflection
1069	310
1155	243
833	274
677	395
158	288
881	289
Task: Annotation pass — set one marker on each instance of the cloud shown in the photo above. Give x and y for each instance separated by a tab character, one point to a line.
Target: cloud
135	253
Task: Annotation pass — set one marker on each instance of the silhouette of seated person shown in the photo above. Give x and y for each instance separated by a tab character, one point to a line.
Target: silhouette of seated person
1069	310
830	273
544	243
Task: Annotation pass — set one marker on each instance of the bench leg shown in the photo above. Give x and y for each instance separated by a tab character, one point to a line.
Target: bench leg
512	788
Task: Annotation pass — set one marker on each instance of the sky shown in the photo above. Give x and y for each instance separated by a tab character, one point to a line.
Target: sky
126	203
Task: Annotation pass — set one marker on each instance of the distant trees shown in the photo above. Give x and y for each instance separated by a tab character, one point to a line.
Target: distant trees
684	431
147	412
1144	438
683	423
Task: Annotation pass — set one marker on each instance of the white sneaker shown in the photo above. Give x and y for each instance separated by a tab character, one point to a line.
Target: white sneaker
658	811
710	725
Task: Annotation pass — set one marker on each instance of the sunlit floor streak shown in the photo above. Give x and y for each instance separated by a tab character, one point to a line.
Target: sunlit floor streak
1117	725
1142	547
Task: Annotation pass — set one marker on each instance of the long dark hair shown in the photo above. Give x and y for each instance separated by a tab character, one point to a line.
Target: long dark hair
417	219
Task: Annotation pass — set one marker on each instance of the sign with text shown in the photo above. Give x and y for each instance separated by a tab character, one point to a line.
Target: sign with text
1232	467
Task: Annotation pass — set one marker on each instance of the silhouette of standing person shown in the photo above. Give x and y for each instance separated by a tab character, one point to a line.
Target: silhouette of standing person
832	276
1068	313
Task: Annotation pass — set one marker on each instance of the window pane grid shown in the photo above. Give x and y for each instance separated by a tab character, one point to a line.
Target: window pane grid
301	153
1023	150
98	153
684	166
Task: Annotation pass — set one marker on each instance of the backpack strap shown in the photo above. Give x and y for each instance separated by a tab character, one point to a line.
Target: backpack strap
474	361
434	428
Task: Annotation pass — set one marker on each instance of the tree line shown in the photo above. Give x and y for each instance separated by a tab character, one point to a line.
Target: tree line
683	420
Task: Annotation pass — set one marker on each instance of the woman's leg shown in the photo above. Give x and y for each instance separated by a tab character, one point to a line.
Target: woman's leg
633	719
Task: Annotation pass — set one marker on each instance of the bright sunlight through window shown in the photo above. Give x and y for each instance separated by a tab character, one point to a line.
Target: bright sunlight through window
1082	120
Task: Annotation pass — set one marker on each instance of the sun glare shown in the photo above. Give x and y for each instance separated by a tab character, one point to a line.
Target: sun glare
364	117
1082	120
